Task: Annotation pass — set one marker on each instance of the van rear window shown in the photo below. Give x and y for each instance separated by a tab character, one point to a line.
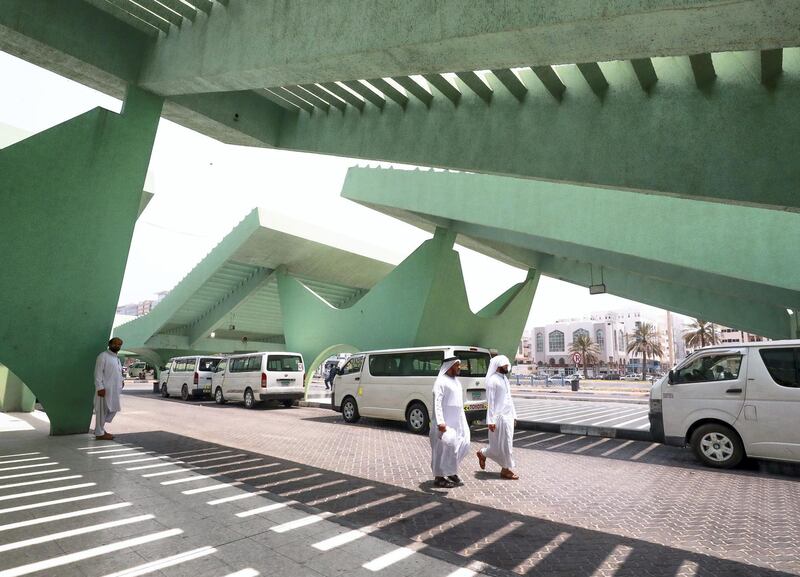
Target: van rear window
473	364
207	364
287	363
783	365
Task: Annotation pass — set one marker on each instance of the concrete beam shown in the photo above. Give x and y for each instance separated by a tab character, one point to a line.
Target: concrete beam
245	45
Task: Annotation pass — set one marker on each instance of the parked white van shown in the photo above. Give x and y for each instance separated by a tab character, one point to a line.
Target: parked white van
255	377
728	402
189	376
397	384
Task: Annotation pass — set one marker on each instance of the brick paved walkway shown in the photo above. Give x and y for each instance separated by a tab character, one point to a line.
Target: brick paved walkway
584	506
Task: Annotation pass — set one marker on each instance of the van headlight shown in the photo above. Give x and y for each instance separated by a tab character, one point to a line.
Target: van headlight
655	405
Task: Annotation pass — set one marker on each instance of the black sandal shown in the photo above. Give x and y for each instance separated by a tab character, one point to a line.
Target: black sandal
443	483
456	479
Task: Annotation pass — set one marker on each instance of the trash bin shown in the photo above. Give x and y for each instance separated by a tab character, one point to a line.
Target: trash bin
575	385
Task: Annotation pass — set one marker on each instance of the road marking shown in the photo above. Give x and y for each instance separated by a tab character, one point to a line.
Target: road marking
302	522
540	554
235	498
312	488
171	561
188	479
316	502
531	436
39	481
195	462
620	425
97	446
192	451
612	419
592	445
31	473
87	554
604	414
340	540
216	487
244	573
645	451
159	457
143	454
565	443
284	481
20	455
264	509
29	466
645	426
55	502
102	451
273	473
45	491
390	558
615	449
23	460
73	532
207	455
162	473
542	441
79	513
141	467
493	537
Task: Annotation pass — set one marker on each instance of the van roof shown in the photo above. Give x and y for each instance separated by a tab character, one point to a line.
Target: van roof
196	357
783	343
434	348
263	353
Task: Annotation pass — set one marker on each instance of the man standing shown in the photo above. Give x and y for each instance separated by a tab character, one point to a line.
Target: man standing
449	430
108	385
500	417
333	370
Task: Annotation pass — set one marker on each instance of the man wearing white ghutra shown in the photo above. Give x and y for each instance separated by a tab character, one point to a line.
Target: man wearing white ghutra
501	417
449	430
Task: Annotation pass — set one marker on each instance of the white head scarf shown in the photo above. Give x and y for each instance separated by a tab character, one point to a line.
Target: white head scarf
498	361
447	364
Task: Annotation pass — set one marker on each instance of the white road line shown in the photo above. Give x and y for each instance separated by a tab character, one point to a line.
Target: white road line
45	491
349	493
192	451
143	454
140	467
563	415
603	414
160	457
645	451
302	522
103	451
55	502
23	460
206	455
20	455
39	481
611	420
159	564
73	532
538	413
542	441
188	479
235	498
311	488
645	426
540	554
87	554
568	406
265	509
273	473
90	447
216	487
29	466
620	425
592	445
172	472
284	481
615	449
32	473
79	513
249	572
197	462
340	540
462	572
390	558
618	416
526	437
565	443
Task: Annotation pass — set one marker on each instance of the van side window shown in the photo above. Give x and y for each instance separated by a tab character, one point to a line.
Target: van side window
425	364
253	363
190	363
387	365
353	365
238	365
287	363
222	364
207	364
720	367
180	365
783	365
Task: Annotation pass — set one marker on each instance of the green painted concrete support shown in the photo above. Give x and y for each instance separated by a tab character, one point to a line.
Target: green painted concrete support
422	302
15	397
69	198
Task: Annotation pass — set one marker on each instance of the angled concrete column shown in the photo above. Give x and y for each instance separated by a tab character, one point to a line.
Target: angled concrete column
422	302
69	198
14	395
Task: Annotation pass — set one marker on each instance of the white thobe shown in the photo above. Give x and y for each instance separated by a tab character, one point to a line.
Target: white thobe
108	376
501	413
448	408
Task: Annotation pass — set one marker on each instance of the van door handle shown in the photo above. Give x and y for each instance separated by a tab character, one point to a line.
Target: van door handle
357	379
734	391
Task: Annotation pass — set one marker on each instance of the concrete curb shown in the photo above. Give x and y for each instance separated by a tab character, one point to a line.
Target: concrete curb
568	429
315	404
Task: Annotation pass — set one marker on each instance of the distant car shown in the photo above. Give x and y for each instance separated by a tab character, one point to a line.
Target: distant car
612	377
542	377
569	379
631	377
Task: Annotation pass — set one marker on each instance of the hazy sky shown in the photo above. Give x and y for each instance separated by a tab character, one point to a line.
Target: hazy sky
203	188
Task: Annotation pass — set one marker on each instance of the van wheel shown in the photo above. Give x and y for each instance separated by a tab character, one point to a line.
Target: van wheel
184	393
164	392
417	418
350	410
287	403
249	399
219	398
717	446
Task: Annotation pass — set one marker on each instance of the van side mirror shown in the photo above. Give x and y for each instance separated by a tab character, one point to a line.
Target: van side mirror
671	377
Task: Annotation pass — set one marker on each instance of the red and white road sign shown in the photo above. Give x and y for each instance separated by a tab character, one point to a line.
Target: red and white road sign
576	358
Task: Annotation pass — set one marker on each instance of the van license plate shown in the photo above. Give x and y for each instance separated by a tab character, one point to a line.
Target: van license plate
476	395
285	382
476	407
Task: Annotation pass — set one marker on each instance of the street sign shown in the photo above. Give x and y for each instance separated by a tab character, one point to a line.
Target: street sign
576	358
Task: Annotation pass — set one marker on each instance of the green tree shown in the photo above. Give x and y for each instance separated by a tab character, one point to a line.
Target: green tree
699	334
645	341
588	349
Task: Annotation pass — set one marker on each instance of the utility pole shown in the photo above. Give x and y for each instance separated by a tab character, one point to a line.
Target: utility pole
670	339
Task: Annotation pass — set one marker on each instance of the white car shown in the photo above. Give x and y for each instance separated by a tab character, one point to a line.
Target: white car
631	377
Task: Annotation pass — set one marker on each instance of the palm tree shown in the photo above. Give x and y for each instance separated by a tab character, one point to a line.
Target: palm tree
700	333
645	340
587	348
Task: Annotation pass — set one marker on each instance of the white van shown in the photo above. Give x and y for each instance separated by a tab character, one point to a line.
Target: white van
189	376
255	377
397	384
729	402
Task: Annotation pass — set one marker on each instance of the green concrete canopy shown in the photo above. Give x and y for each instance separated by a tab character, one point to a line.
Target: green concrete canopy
694	98
735	265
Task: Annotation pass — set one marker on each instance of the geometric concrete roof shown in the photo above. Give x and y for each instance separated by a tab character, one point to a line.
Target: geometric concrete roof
235	285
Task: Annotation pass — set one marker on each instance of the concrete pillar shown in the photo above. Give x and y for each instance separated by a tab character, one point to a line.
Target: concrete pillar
15	397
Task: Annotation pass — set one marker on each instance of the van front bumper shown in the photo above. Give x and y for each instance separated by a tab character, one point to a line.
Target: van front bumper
281	395
479	415
657	426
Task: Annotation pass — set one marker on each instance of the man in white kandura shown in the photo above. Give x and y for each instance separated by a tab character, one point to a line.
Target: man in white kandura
500	417
449	429
108	386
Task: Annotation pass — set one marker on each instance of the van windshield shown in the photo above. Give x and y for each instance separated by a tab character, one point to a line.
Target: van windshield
208	364
287	363
473	363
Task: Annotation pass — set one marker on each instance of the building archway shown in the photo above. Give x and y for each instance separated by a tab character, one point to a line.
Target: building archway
320	358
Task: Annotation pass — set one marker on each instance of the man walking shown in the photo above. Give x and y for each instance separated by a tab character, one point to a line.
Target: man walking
332	372
108	385
500	418
449	432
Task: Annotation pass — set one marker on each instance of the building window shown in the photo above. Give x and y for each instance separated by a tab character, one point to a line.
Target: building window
555	341
552	361
600	338
578	333
539	343
561	361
